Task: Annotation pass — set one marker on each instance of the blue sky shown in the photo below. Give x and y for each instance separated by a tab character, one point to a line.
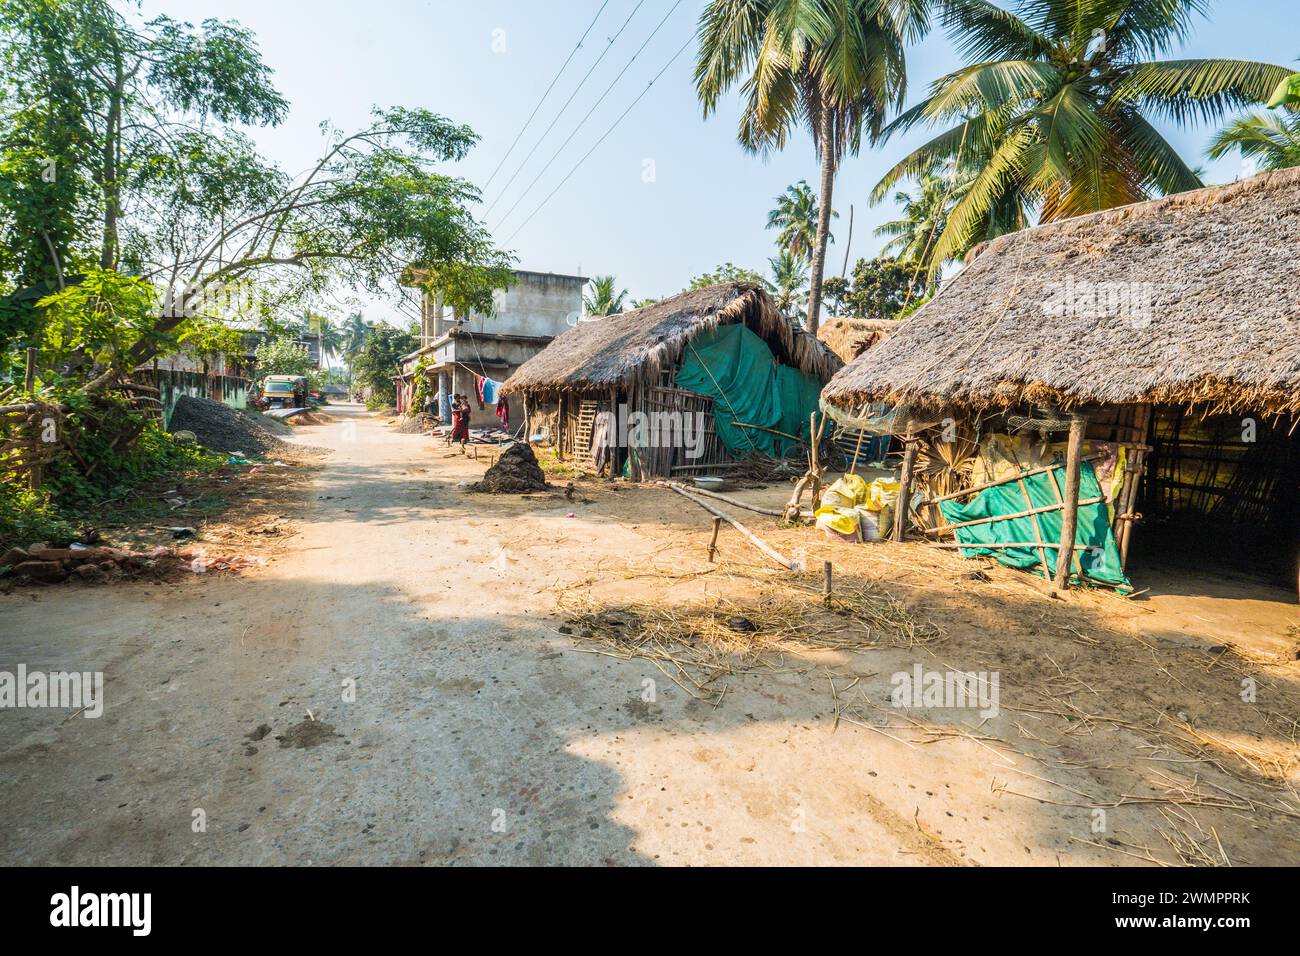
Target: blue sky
668	194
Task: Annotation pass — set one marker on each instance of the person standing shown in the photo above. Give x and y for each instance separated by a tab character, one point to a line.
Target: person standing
460	421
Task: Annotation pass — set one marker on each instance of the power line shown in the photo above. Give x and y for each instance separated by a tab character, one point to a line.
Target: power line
583	121
569	176
547	132
533	115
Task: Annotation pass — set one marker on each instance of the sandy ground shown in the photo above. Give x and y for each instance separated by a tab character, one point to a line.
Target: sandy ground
397	686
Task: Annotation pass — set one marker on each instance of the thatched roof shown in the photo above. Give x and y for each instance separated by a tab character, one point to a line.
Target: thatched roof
1196	303
601	353
849	337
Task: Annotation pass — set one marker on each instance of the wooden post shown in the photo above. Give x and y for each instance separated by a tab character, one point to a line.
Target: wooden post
615	465
713	543
814	461
905	489
827	572
1135	466
1070	512
29	377
559	430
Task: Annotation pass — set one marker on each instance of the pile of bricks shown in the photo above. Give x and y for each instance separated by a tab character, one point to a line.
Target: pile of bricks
46	565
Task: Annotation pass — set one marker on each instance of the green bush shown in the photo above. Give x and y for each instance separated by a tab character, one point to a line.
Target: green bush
109	474
30	516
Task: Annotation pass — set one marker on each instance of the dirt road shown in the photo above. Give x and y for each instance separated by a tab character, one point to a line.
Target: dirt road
395	688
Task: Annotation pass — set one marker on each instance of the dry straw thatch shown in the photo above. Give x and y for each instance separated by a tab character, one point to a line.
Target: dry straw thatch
849	337
621	351
1217	269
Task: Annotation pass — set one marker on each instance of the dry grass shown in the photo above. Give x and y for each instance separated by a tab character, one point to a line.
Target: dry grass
770	615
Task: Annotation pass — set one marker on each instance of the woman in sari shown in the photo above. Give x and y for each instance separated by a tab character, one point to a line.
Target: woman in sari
460	421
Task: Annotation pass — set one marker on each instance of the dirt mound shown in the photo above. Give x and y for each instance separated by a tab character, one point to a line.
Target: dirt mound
515	471
310	418
417	424
227	429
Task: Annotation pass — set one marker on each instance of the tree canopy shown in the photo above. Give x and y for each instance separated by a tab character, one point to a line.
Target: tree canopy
124	150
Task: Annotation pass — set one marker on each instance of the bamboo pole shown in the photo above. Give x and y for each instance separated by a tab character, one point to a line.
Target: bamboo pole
752	538
1070	517
1001	545
1045	509
1038	532
1004	481
772	512
905	490
1135	466
615	465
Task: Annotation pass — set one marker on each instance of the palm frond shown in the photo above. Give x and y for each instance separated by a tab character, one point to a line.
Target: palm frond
1198	90
1270	138
986	32
1154	156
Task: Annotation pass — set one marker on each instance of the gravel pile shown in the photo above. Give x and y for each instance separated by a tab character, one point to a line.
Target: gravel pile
515	471
225	429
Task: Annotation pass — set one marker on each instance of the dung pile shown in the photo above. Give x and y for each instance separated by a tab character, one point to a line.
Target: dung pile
225	429
515	471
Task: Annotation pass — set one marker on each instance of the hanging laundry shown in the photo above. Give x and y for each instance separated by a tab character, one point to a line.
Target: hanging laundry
503	414
490	389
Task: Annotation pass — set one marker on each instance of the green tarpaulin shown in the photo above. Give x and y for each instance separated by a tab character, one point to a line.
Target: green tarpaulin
1100	561
735	368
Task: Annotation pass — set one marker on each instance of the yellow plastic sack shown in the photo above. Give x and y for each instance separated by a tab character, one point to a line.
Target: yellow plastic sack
842	521
851	489
882	494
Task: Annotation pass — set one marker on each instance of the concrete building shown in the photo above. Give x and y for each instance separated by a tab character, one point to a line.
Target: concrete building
454	350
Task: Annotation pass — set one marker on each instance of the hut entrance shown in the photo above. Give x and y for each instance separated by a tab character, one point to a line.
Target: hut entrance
1221	495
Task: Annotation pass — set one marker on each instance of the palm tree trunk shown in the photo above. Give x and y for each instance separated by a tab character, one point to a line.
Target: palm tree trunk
825	138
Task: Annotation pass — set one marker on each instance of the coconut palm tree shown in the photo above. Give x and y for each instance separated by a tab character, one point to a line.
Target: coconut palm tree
837	66
604	299
923	213
795	215
355	332
1058	101
1272	140
789	282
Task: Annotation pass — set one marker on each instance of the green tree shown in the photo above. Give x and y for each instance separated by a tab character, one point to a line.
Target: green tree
881	288
729	272
284	356
159	184
100	319
376	364
1058	101
605	298
789	282
834	291
836	65
90	101
795	214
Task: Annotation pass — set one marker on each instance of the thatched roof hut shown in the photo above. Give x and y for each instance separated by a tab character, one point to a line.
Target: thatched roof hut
1187	300
849	337
716	375
622	351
